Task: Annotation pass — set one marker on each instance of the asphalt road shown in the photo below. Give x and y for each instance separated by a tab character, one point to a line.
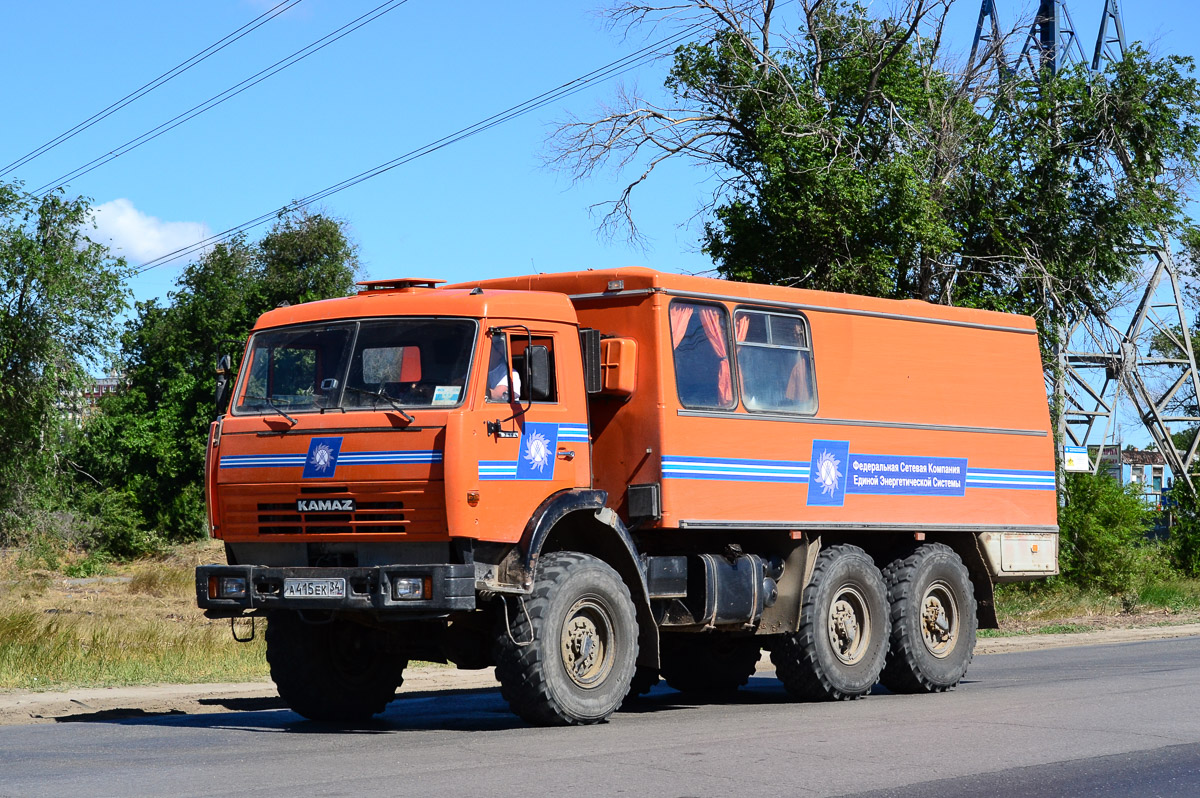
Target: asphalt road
1117	720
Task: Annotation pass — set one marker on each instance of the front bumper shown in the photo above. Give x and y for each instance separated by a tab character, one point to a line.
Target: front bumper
452	589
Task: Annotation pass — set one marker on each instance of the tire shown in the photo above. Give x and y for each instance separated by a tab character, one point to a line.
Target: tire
842	643
933	621
708	665
338	671
581	628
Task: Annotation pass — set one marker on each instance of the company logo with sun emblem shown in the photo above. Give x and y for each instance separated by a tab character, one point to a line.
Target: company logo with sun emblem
539	444
826	481
827	474
322	458
537	451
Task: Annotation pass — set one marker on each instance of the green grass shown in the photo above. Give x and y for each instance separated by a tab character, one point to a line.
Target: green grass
53	650
1177	595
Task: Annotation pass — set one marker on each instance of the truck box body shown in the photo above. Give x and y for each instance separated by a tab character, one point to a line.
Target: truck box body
937	416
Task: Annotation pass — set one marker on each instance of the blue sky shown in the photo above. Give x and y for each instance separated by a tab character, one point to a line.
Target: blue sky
481	208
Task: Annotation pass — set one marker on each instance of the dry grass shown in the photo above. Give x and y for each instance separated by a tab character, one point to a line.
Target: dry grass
138	624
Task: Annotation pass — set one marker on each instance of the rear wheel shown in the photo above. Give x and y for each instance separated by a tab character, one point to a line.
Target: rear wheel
568	657
699	664
933	621
335	671
840	647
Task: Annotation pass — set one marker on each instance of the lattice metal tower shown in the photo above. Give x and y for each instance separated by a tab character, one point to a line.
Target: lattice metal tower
1151	361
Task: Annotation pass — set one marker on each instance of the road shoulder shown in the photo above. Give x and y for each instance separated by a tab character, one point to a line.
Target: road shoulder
107	703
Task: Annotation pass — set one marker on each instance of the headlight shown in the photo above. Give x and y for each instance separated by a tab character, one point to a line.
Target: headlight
411	588
227	587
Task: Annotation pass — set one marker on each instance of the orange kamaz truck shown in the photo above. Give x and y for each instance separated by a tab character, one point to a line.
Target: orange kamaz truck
595	479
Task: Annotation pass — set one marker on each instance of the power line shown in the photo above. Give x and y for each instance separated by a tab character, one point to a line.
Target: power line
606	72
229	93
145	89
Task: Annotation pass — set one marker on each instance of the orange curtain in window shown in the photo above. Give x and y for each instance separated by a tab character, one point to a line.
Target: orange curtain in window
741	327
797	388
681	314
711	319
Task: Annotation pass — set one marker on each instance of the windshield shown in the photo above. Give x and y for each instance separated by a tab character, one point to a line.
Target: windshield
358	365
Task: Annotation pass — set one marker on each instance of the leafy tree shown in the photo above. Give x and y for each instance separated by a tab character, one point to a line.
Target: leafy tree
60	293
147	447
852	155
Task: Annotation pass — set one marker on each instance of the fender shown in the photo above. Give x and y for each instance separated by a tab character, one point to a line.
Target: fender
553	509
614	545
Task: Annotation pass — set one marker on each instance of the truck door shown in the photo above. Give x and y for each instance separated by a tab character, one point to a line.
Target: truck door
524	441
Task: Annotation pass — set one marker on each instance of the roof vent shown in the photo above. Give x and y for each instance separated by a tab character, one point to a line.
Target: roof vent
401	284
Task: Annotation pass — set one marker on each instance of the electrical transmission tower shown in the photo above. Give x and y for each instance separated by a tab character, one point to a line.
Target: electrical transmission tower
1151	360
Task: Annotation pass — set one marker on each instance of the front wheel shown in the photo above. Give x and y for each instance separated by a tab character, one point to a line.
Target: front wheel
336	671
933	621
839	650
567	657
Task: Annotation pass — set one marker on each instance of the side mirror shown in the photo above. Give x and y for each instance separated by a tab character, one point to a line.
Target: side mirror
537	367
222	397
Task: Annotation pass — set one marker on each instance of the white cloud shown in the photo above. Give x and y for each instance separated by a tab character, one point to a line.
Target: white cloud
139	237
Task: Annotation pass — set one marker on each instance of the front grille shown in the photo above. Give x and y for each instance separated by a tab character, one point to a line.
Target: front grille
368	517
412	511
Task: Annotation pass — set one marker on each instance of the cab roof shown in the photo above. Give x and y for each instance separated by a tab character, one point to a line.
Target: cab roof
412	298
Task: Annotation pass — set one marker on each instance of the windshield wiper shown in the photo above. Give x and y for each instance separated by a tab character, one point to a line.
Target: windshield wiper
381	394
271	403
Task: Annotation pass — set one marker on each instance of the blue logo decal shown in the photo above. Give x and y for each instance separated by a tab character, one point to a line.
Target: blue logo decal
322	458
827	473
539	450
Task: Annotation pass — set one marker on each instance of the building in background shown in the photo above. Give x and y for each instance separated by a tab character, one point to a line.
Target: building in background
1129	466
79	405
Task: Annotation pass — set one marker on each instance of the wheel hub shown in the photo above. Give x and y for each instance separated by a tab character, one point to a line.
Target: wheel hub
939	619
586	643
849	626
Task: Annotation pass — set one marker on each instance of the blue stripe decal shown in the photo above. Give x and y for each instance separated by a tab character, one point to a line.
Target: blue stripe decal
1008	478
794	471
573	432
730	469
344	458
497	469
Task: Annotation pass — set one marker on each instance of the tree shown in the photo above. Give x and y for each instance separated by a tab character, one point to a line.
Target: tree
60	293
148	443
852	155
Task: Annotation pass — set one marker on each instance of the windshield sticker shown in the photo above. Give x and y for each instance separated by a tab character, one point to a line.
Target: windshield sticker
446	395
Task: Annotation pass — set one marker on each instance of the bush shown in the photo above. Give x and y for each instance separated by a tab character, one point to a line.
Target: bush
116	526
1184	540
1102	530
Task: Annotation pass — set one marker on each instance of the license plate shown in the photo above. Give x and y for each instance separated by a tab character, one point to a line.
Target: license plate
314	588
